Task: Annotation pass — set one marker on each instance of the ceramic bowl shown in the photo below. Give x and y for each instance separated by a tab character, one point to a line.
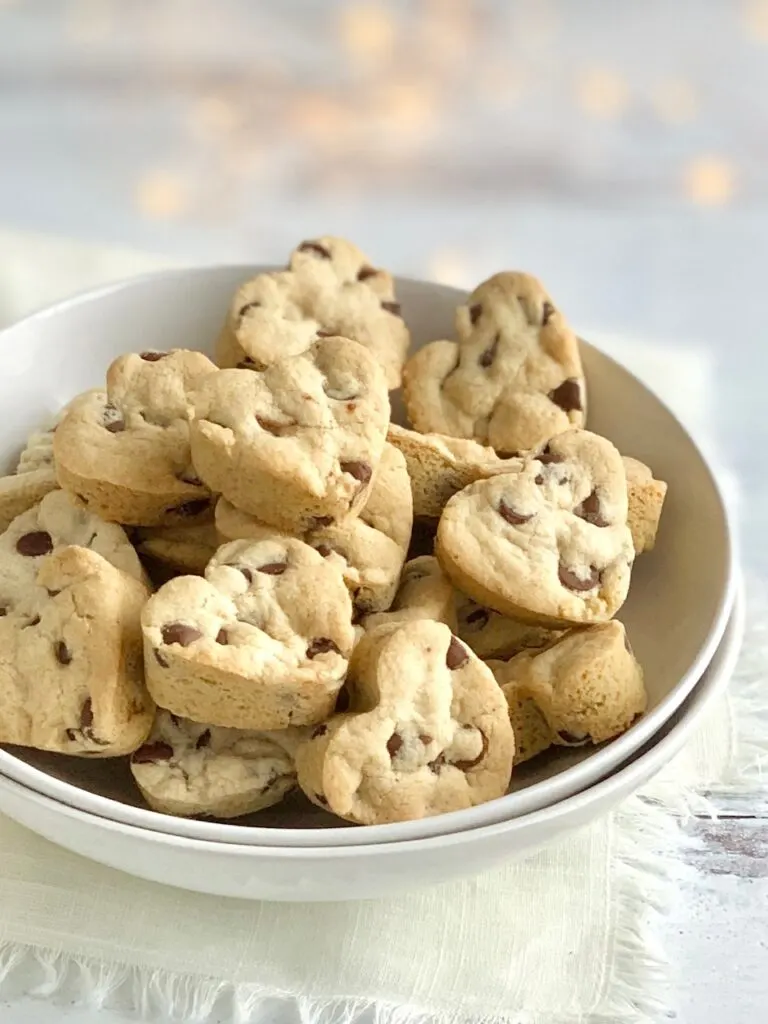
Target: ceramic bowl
369	871
676	613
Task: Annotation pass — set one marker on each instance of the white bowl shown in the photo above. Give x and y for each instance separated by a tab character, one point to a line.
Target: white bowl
679	603
358	872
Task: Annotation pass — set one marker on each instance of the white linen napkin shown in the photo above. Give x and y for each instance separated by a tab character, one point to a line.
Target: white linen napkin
565	936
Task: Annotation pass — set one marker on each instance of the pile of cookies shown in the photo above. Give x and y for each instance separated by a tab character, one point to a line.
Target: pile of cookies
245	577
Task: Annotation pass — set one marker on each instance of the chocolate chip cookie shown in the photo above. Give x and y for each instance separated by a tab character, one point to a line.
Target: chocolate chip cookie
532	732
646	499
296	445
261	642
587	684
440	466
425	592
329	288
125	454
369	549
491	635
181	549
33	477
512	380
548	545
427	731
190	769
71	674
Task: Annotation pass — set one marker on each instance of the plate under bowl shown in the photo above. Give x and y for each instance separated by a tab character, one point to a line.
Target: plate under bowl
677	610
359	872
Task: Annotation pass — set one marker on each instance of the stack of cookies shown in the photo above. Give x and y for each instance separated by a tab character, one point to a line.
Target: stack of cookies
244	576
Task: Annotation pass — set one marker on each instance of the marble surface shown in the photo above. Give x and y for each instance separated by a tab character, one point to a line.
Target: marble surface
618	151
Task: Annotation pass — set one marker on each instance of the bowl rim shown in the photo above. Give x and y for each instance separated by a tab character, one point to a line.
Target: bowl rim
624	780
602	759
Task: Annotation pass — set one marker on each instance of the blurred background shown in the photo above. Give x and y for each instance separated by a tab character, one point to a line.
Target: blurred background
618	150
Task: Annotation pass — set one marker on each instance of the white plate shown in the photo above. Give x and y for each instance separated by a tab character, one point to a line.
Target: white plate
358	872
679	602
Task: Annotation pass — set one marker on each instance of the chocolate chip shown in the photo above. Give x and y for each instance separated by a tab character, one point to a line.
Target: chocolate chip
571	581
246	309
222	637
573	739
512	517
547	312
394	743
203	740
464	766
32	622
361	609
359	470
316	248
160	659
179	633
425	738
479	618
475	312
591	511
35	544
319	730
392	307
188	509
365	272
153	357
273	568
567	396
487	358
86	714
3	612
318	522
321	645
546	456
438	764
457	654
324	549
115	426
321	799
152	752
538	479
62	652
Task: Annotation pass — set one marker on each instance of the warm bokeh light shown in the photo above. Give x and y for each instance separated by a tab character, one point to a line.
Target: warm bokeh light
321	118
405	106
755	14
448	30
710	180
162	195
602	93
367	31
